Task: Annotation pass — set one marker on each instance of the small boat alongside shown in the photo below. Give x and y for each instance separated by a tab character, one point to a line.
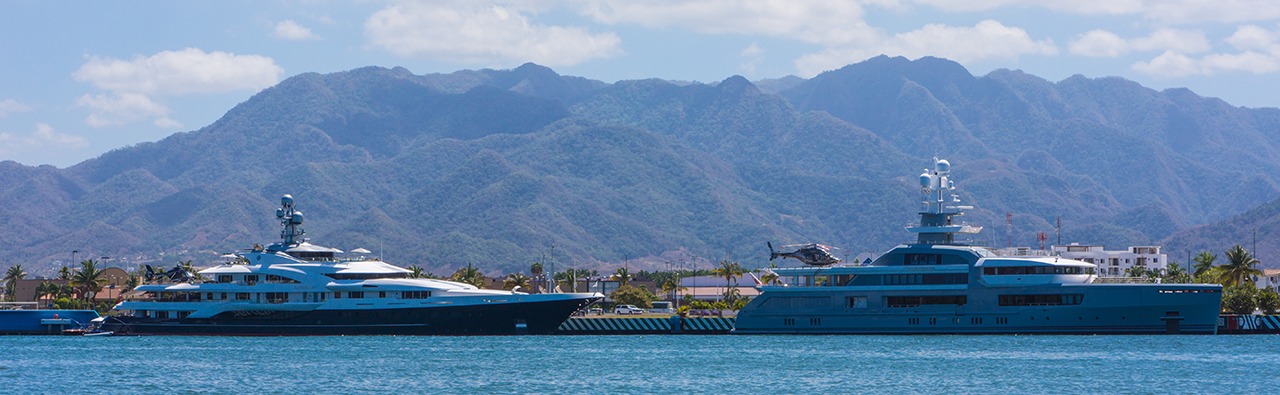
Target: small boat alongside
940	285
293	287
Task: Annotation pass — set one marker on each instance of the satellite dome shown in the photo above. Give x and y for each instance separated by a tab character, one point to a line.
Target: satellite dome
286	200
297	218
280	213
942	166
926	180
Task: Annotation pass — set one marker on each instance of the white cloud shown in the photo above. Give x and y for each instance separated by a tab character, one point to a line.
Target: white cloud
1165	11
1171	64
986	40
189	71
1251	37
752	55
124	108
43	136
132	86
1098	43
822	22
10	106
290	30
1101	43
468	33
1260	54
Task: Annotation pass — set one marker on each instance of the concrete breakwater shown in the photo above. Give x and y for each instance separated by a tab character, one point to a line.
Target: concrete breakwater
646	326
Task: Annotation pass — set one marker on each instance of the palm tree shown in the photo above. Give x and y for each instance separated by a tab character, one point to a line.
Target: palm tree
469	275
64	273
416	271
623	276
1204	261
1175	274
1240	267
669	287
731	272
11	278
516	280
43	289
88	280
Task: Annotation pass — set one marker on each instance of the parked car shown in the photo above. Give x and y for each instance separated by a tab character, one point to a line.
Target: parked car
595	311
627	309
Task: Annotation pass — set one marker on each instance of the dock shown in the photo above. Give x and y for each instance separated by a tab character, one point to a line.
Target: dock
672	325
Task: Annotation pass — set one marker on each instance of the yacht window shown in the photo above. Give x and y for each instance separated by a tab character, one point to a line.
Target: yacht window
337	295
356	295
242	296
415	294
922	259
224	278
858	302
250	279
382	294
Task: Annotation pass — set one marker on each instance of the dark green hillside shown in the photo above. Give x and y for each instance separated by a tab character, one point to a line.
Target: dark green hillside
495	167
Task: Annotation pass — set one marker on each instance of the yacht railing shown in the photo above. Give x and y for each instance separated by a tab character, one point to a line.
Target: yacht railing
1126	280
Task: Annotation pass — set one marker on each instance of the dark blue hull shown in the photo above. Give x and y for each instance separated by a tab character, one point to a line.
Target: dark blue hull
43	322
492	319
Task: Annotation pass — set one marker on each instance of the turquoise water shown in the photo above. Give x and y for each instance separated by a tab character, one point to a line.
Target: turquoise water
641	364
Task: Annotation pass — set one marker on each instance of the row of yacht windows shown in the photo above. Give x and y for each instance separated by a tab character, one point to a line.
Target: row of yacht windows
1019	270
251	279
846	280
280	297
860	302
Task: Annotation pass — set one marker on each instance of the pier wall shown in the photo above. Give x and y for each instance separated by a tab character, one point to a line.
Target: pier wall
646	326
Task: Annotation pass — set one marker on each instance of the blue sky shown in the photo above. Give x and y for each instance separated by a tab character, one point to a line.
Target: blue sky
82	78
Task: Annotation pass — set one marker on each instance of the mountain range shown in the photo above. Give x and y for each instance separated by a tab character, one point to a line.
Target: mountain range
499	168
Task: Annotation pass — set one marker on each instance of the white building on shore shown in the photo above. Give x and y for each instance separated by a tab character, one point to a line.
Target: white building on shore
1114	263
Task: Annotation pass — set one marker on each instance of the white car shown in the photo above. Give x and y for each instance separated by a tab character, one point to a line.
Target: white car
627	309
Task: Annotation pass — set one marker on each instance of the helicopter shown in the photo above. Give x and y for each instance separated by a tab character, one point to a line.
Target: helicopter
176	275
811	254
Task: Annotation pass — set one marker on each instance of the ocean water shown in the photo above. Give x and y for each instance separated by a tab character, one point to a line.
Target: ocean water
641	364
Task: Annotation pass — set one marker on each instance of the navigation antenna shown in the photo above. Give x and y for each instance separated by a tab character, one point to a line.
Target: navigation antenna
1008	234
291	219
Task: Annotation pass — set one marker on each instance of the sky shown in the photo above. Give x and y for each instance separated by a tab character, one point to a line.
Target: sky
81	78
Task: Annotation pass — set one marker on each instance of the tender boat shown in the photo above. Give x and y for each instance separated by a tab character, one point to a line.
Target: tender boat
294	287
944	286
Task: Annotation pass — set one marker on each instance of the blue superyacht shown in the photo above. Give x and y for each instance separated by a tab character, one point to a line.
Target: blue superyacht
939	285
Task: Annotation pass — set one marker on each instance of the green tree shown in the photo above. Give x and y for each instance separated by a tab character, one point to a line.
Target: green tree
622	276
1240	299
1204	262
1240	267
1268	301
11	278
1176	274
638	296
1137	272
88	280
569	278
514	280
44	289
671	286
64	273
469	275
731	271
416	271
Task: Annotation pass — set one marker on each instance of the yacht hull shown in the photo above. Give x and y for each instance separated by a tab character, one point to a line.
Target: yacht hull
1105	309
541	317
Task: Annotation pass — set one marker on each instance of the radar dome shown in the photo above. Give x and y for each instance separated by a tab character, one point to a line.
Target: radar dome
297	218
286	200
926	180
280	213
942	166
